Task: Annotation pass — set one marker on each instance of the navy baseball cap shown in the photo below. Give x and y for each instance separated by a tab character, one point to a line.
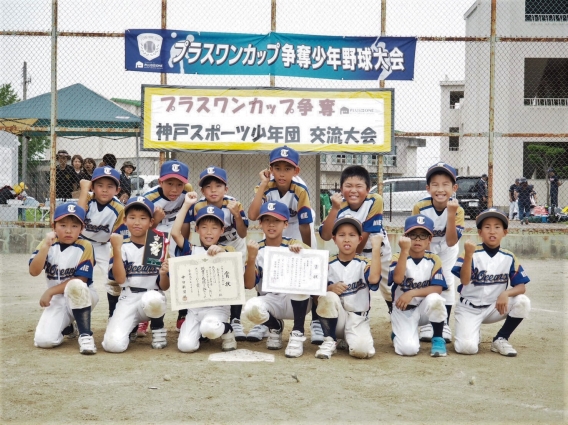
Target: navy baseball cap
285	154
347	219
418	221
174	170
492	212
142	202
67	209
444	168
216	172
275	209
210	211
107	172
522	180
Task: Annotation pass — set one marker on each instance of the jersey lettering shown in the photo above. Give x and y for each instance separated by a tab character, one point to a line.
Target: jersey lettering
480	277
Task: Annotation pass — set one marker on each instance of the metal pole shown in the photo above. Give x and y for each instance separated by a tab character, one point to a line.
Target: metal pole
380	161
52	175
24	139
490	145
163	76
272	29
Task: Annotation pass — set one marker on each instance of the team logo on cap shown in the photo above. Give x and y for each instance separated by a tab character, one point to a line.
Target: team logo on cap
284	153
175	167
492	209
71	208
211	170
210	210
107	171
140	199
420	220
271	206
441	164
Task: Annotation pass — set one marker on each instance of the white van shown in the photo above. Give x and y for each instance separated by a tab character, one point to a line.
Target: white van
405	192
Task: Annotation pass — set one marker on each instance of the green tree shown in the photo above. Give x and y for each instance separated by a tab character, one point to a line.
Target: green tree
545	157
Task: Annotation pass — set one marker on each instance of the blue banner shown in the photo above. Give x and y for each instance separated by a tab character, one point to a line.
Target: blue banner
280	54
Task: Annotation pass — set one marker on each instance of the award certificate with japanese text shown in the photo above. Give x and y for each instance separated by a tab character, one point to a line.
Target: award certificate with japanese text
289	273
207	281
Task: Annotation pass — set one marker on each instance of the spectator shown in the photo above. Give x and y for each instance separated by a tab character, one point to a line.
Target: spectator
109	160
481	188
524	193
554	184
513	204
89	166
66	179
125	188
77	163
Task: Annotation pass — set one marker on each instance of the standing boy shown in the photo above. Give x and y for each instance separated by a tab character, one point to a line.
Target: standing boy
271	309
344	310
207	322
485	271
524	192
213	184
68	263
448	218
141	285
417	282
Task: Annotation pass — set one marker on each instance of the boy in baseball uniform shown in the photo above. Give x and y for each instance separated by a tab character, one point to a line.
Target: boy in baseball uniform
68	263
141	285
281	182
417	281
344	310
104	216
485	271
448	218
270	309
206	322
213	184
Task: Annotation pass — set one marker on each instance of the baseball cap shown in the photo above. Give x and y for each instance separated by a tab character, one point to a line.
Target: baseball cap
347	219
216	172
62	153
484	175
128	164
142	202
108	172
67	209
441	167
285	154
419	221
492	212
522	180
275	209
174	170
210	211
550	170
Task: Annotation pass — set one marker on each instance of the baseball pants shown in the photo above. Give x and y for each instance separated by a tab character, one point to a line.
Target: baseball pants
513	208
257	309
448	256
206	321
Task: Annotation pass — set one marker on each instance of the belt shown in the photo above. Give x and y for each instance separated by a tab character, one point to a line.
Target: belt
134	290
466	302
361	313
410	307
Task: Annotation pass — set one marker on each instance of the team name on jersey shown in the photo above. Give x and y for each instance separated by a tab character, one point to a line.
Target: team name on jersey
480	277
439	233
173	211
53	272
95	229
409	284
355	286
295	213
377	222
132	269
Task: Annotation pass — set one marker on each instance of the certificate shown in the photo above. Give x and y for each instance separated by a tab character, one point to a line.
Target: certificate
289	273
207	281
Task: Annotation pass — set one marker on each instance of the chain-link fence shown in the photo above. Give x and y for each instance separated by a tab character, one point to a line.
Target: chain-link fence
489	96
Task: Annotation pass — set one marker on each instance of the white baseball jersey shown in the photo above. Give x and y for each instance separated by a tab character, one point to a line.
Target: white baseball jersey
102	220
491	271
191	249
355	274
138	275
259	262
230	236
170	208
66	261
298	201
427	272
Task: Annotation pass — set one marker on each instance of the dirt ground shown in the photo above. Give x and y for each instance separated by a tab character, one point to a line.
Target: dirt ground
62	386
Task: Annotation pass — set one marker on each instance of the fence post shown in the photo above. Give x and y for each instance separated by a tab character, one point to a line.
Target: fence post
380	162
163	75
52	173
490	145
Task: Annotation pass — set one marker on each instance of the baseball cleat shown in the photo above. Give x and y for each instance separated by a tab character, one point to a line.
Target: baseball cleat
327	349
342	345
316	332
257	333
133	335
274	341
70	331
159	338
295	347
426	333
87	344
502	346
142	329
238	330
228	342
447	333
438	347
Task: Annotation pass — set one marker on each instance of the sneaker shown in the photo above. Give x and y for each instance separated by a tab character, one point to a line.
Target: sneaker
438	347
447	333
317	332
257	333
295	347
327	349
87	344
228	341
238	330
133	334
142	328
342	345
203	339
274	341
426	333
179	323
502	346
159	338
70	332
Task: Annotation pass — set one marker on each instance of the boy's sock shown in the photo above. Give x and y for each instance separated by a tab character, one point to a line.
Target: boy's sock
272	322
438	328
449	310
329	326
236	311
157	323
299	308
112	302
389	305
314	312
83	319
228	328
182	314
509	326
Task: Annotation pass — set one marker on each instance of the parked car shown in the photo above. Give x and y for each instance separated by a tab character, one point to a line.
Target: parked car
467	195
405	192
143	183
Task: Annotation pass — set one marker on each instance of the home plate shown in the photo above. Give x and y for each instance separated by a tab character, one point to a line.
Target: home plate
241	356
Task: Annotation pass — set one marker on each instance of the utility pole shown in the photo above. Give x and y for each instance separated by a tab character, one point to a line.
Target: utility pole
24	139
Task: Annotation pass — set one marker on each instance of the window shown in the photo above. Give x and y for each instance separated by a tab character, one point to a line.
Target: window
323	158
388	160
455	97
546	11
454	140
546	82
373	160
338	159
